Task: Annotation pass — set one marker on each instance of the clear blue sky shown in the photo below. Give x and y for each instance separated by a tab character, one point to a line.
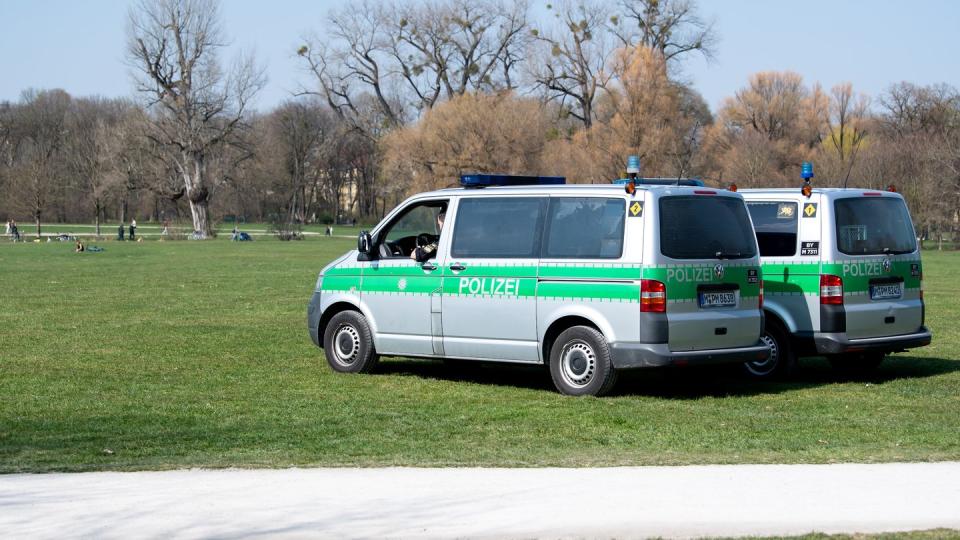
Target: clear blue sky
77	45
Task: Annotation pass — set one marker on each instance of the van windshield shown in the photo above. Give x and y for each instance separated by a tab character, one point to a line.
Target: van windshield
873	226
701	227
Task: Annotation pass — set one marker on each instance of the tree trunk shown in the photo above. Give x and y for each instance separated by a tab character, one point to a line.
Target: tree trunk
96	208
194	169
36	218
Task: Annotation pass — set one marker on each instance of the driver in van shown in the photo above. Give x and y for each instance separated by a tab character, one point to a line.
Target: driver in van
429	251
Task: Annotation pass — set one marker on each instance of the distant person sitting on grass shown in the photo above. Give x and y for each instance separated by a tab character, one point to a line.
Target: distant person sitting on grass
80	247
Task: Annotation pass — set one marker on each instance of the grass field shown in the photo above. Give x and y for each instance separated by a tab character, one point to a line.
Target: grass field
179	354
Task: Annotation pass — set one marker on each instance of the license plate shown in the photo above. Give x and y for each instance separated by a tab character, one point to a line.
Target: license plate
887	291
718	299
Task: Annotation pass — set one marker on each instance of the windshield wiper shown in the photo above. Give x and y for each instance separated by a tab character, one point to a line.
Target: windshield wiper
729	255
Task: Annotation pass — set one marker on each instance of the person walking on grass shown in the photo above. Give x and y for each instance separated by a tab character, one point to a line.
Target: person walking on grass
133	230
14	231
120	231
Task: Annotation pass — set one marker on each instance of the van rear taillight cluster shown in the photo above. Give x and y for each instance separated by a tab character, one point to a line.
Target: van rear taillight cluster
761	296
653	296
831	290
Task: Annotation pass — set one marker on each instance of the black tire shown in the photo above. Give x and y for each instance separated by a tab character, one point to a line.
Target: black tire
782	362
348	343
854	364
580	363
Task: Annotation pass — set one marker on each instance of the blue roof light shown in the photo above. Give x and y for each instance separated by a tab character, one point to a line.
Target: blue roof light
633	164
806	170
490	180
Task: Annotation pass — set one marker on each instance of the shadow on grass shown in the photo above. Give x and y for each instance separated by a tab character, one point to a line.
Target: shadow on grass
673	383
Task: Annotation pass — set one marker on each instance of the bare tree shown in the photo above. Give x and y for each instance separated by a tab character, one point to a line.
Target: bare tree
457	46
42	124
673	27
93	151
298	130
570	65
196	105
846	125
357	63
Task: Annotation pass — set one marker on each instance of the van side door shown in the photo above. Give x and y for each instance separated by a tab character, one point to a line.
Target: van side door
489	307
397	290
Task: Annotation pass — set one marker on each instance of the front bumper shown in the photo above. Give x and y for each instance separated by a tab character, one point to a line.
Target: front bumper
839	343
313	319
649	355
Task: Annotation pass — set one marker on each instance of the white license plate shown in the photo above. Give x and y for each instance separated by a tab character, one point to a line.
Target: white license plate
886	292
718	299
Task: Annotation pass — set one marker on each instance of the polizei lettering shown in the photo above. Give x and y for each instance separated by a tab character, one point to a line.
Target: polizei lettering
698	274
494	286
863	269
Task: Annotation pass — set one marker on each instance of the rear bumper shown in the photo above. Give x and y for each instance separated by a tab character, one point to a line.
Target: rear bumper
649	355
839	343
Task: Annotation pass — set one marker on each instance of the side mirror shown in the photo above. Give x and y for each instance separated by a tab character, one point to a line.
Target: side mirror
364	242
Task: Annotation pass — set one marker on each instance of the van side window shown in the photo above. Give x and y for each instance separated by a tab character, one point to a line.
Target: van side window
585	228
501	227
417	223
776	227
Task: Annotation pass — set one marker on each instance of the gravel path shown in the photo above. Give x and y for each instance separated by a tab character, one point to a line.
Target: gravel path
633	502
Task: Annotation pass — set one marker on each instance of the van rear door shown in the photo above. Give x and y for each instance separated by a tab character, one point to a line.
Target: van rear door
879	261
711	270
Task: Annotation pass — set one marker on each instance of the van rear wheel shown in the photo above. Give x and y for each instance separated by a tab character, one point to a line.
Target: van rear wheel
580	363
782	360
348	343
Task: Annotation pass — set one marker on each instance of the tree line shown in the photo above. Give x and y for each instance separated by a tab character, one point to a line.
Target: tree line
404	96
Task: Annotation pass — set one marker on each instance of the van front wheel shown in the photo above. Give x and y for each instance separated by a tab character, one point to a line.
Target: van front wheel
580	363
348	343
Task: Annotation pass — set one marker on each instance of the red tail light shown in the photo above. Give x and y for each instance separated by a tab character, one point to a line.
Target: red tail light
653	296
921	285
761	296
831	290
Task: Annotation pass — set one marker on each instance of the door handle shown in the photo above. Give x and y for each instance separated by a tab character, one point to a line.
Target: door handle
429	266
457	267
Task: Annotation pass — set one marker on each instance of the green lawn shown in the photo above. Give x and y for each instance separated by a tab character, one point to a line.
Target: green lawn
180	354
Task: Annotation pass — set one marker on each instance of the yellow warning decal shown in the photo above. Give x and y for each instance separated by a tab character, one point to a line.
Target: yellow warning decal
810	210
636	209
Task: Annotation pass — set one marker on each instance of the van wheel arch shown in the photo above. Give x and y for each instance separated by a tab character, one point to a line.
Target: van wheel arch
560	325
332	311
775	332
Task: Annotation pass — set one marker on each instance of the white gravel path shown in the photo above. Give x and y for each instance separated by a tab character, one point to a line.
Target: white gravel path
632	502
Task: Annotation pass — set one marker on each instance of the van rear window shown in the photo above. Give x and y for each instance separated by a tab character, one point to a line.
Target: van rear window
873	226
705	227
776	227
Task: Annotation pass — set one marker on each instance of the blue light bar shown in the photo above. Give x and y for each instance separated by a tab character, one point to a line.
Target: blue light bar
490	180
633	164
806	170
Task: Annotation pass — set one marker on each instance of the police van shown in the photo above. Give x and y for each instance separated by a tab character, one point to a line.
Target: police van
588	279
842	276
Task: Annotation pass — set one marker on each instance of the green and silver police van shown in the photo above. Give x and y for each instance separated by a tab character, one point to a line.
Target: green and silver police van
587	279
842	276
